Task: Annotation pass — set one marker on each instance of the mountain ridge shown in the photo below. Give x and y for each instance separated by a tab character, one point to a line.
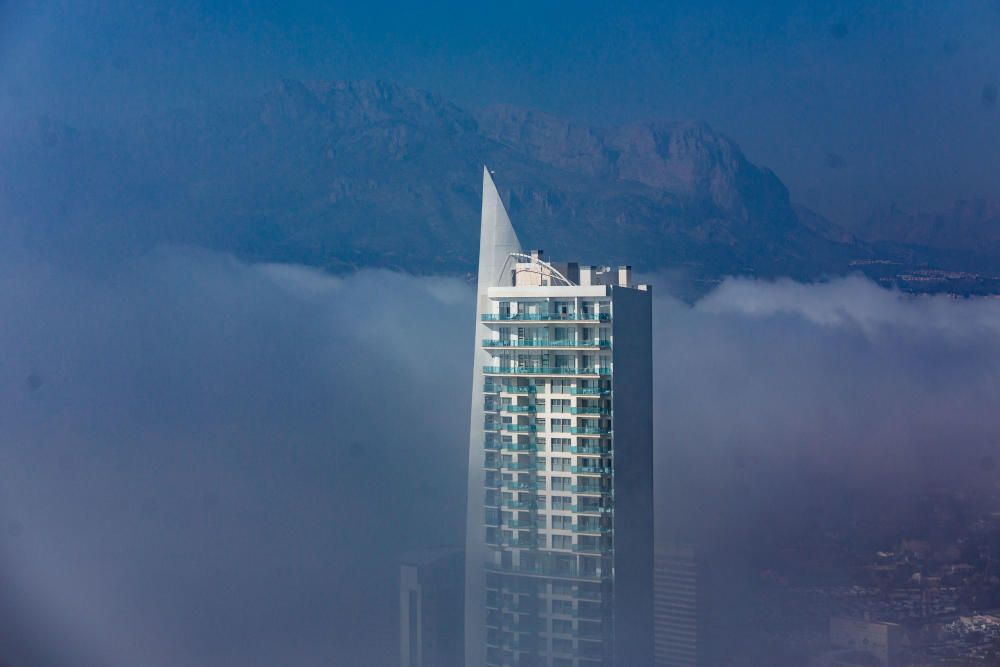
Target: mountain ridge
346	174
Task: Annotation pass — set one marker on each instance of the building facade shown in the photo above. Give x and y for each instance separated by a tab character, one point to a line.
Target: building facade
430	608
560	520
679	608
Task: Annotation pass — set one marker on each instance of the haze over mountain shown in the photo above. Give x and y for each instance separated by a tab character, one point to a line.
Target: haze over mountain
349	174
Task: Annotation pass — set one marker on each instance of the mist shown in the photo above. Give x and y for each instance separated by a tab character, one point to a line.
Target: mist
209	462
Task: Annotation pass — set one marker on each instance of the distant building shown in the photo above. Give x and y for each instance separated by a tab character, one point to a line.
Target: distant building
431	632
679	608
882	640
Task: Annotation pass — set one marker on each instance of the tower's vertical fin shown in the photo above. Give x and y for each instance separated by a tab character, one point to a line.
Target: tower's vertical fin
496	241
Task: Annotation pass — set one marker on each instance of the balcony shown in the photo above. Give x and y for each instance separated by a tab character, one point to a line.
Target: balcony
589	391
589	430
513	389
491	446
490	342
589	489
521	525
520	486
520	504
591	529
587	595
590	509
520	428
592	548
519	408
520	465
520	544
519	446
546	317
546	370
543	569
590	470
589	449
589	410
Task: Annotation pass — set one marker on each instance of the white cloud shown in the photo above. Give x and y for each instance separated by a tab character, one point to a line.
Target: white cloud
211	463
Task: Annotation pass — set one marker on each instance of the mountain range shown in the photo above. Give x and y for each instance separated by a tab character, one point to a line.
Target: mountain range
368	173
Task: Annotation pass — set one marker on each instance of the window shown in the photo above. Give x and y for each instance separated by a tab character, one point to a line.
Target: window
560	405
562	645
562	627
562	523
561	444
560	425
541	424
540	461
561	464
561	503
563	607
561	587
540	404
561	484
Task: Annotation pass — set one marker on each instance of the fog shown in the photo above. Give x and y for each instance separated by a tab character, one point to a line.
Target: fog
207	462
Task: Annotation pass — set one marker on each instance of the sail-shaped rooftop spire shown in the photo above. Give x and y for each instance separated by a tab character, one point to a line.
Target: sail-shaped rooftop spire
496	241
497	238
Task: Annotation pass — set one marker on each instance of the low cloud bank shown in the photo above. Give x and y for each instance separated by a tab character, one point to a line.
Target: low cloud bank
214	463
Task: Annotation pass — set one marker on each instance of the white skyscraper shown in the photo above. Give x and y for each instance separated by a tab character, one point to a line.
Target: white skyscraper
559	566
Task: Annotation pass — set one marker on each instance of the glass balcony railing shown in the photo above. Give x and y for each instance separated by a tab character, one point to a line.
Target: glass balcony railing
543	569
589	391
589	488
491	446
520	446
520	428
587	595
545	317
591	529
513	389
520	504
589	410
590	470
586	449
589	430
521	465
520	486
520	544
519	408
542	342
521	525
545	370
592	548
590	509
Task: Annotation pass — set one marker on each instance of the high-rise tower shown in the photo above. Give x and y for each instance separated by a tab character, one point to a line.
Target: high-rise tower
560	524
